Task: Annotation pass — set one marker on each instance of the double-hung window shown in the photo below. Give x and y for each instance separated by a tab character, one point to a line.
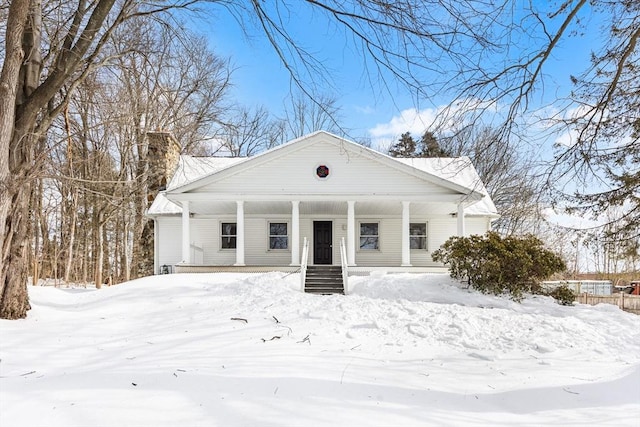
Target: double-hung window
418	235
228	234
369	236
278	237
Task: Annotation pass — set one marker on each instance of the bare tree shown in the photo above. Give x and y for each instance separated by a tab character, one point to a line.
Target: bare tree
119	104
250	132
494	55
512	177
304	115
484	55
34	90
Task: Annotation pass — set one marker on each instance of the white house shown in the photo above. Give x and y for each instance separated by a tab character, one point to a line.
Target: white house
257	212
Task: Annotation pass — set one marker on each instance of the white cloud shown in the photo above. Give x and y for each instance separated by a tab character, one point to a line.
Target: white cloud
416	122
367	109
410	120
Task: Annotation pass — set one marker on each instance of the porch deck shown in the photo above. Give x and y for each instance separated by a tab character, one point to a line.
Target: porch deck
353	271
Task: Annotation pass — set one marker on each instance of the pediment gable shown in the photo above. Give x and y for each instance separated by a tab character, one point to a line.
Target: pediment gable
350	168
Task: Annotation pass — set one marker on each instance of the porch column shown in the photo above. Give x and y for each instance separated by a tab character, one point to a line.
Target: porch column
461	230
406	242
351	232
240	233
295	232
186	233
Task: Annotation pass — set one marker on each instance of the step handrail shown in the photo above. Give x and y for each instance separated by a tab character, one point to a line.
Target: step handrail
345	267
303	264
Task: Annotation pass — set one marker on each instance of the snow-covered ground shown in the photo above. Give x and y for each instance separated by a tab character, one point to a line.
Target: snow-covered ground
401	350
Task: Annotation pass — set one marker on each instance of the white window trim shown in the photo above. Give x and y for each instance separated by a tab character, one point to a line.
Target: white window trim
379	249
221	236
426	236
268	233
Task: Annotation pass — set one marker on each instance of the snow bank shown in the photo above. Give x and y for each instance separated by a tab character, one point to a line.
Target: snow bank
250	349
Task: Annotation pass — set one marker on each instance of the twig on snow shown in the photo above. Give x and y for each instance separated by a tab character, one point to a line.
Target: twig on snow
290	330
305	339
240	319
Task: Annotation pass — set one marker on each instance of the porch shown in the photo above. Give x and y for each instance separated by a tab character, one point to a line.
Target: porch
353	271
258	236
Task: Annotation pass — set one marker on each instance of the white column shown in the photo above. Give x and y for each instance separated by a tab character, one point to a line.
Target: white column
156	247
351	232
240	233
461	230
186	234
406	244
295	232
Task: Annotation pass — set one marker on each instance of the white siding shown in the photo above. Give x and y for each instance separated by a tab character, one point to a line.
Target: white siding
268	183
205	233
476	225
169	241
440	229
390	243
346	172
257	250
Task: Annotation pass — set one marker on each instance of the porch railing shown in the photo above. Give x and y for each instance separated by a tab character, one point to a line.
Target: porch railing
345	266
303	263
197	254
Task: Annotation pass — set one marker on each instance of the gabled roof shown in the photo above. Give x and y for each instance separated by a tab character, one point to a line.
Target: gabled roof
302	142
459	170
457	174
191	169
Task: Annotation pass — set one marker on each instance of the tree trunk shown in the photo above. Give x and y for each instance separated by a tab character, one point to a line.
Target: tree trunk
139	205
14	194
72	235
106	267
126	268
98	250
37	212
74	200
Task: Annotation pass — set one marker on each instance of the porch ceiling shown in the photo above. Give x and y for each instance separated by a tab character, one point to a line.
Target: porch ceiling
320	208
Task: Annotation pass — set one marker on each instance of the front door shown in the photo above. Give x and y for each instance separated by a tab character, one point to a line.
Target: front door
322	242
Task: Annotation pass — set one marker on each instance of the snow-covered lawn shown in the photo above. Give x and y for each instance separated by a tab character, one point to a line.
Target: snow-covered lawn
402	350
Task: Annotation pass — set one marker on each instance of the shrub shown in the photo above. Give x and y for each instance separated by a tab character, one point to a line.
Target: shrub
563	295
492	264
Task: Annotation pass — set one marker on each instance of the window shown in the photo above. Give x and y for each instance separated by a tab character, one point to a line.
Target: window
418	235
278	238
369	237
228	235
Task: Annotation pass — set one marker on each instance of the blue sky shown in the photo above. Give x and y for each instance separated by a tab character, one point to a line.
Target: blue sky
366	110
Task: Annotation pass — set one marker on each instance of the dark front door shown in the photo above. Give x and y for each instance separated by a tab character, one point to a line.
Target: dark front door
322	242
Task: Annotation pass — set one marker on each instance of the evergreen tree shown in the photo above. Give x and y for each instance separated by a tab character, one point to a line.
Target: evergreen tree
429	147
405	147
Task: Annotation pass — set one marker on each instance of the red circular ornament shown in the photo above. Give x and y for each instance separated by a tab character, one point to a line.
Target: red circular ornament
322	171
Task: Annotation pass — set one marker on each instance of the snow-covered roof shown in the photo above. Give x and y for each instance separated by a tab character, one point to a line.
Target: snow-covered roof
459	170
192	168
189	169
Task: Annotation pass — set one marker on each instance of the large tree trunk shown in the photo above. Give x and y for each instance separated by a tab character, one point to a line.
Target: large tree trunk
14	196
140	203
73	205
